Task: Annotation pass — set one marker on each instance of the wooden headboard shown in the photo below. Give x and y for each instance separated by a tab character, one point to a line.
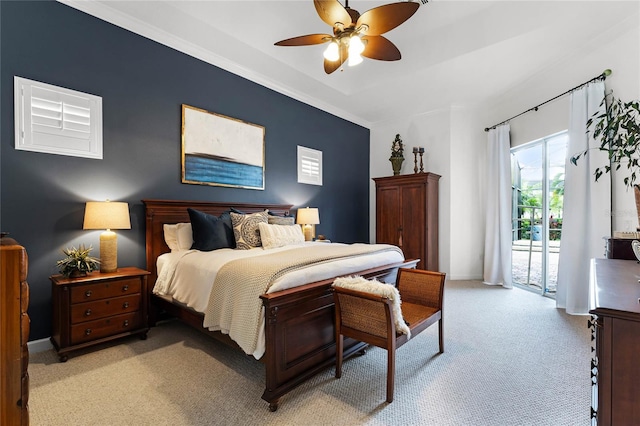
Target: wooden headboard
160	212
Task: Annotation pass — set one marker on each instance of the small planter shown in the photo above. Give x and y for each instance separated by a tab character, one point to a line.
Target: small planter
396	164
78	262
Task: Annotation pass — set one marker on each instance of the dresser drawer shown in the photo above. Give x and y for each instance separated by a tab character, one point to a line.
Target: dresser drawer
24	296
93	330
89	311
25	327
88	292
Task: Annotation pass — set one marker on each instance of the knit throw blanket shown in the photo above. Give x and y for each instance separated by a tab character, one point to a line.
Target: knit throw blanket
235	306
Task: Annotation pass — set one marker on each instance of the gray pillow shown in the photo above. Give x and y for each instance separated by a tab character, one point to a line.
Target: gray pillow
281	220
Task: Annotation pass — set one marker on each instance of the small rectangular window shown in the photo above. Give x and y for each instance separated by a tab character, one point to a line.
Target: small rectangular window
309	166
56	120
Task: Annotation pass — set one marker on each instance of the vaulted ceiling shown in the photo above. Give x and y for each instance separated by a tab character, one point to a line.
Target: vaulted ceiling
454	53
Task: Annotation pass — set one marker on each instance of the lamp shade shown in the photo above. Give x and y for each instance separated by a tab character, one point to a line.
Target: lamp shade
106	215
308	216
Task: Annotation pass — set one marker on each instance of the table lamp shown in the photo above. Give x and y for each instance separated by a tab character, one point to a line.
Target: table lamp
107	215
308	217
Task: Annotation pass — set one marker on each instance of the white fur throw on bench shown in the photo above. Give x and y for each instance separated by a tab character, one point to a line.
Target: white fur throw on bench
359	283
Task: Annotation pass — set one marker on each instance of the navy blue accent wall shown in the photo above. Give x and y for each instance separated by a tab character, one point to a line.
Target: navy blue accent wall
142	85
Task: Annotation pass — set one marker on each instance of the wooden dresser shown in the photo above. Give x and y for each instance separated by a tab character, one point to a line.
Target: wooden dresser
615	305
98	308
14	334
407	216
619	248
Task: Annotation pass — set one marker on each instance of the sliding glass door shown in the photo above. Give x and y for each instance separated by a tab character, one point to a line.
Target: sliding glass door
538	193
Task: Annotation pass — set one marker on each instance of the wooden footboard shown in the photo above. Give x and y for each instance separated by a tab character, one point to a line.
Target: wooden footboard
300	339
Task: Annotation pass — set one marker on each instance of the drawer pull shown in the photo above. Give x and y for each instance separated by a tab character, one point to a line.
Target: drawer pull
87	331
87	312
125	287
88	293
125	305
126	323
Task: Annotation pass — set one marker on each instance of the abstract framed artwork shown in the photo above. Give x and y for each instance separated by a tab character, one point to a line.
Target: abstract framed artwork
220	150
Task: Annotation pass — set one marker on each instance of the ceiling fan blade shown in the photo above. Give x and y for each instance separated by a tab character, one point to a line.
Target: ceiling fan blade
331	66
385	18
330	11
380	48
305	40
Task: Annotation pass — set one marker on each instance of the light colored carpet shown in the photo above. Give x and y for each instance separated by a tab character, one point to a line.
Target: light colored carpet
511	358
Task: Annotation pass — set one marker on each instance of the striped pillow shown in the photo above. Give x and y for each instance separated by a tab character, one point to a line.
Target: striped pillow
279	235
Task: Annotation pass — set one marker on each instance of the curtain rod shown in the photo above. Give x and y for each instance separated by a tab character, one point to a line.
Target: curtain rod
602	76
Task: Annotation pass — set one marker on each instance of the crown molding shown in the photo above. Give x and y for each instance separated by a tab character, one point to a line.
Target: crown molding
108	14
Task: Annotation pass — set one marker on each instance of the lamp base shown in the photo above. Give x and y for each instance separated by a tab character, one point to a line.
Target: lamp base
108	252
307	230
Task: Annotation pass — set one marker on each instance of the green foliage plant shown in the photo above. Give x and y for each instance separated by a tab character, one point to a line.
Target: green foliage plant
618	131
77	261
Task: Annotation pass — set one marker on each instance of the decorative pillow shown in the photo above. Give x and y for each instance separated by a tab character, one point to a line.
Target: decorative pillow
246	230
171	236
273	236
185	236
211	232
281	220
359	283
178	236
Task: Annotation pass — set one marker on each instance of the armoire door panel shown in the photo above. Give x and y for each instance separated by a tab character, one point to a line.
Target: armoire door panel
413	222
388	210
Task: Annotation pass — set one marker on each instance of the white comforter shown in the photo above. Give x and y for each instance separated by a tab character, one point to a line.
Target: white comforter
188	276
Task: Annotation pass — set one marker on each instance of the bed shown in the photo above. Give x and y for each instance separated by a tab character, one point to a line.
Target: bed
298	322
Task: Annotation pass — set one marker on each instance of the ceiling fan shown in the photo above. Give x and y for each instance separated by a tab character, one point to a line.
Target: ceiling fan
356	35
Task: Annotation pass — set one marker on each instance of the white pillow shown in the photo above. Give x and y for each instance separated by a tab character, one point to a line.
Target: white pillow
273	236
185	236
359	283
178	236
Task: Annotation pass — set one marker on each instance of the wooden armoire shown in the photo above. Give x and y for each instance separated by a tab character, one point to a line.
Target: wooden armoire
14	334
407	216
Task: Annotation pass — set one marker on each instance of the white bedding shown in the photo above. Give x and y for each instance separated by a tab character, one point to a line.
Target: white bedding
188	276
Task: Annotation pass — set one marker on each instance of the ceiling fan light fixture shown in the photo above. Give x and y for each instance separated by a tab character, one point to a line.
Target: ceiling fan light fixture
356	46
332	52
354	60
349	27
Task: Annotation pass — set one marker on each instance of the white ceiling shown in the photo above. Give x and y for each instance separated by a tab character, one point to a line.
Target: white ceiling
454	53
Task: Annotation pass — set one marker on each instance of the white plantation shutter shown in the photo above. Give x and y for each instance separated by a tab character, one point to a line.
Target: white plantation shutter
309	166
56	120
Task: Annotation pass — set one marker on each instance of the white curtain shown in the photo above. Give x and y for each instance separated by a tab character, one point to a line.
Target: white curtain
497	243
586	217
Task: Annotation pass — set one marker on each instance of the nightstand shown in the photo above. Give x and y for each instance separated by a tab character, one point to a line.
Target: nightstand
98	308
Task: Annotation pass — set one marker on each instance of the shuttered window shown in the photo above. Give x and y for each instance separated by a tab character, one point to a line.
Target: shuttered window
56	120
309	166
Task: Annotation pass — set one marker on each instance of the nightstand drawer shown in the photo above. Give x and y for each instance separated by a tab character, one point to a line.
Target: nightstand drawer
93	330
88	292
83	312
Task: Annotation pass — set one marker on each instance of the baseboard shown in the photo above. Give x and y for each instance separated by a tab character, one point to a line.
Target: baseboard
464	278
40	345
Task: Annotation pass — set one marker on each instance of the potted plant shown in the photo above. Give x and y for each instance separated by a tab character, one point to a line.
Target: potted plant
78	262
397	157
618	130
